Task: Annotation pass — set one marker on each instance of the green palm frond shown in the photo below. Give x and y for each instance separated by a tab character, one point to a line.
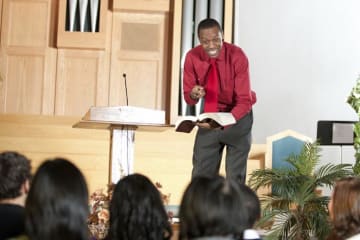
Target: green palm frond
327	174
283	224
269	203
318	218
306	161
294	205
263	178
304	194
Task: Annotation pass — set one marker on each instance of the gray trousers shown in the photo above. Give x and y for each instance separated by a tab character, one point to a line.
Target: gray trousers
209	146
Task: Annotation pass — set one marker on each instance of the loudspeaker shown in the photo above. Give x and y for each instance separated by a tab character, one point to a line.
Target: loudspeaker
335	132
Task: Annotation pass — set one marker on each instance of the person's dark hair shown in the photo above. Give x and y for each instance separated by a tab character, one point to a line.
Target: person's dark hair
252	204
208	23
137	211
346	207
212	207
15	169
57	204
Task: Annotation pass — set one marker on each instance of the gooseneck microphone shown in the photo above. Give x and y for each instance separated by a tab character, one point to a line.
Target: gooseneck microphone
126	92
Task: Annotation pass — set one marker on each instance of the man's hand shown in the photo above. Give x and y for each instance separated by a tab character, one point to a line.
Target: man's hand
211	124
197	92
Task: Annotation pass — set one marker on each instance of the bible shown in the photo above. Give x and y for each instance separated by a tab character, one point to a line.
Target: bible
187	123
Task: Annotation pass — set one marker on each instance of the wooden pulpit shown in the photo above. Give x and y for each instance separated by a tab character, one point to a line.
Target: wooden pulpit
123	122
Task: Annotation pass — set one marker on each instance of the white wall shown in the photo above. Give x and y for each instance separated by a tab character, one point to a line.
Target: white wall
304	60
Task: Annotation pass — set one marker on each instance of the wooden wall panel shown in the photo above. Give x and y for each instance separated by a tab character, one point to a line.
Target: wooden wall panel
26	23
81	81
42	137
142	5
164	157
24	83
27	59
139	49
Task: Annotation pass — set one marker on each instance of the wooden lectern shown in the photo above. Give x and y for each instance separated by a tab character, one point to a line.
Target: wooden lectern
122	122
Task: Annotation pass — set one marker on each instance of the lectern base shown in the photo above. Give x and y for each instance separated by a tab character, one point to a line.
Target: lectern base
122	153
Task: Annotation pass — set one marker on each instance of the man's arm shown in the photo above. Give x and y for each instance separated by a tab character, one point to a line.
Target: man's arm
191	96
244	97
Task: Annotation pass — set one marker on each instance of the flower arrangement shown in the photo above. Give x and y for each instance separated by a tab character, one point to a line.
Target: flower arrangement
99	204
165	197
98	220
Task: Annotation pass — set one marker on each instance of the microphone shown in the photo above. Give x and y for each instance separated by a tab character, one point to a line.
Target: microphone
127	99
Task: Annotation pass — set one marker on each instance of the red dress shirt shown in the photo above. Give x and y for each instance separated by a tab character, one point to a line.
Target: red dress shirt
234	93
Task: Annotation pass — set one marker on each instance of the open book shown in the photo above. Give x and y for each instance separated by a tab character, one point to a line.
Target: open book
187	123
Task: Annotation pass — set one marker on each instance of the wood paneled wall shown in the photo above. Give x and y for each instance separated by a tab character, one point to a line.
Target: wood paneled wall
27	57
41	137
83	69
164	157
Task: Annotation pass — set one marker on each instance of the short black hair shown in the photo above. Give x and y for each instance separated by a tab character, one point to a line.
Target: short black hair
208	23
212	206
252	204
15	169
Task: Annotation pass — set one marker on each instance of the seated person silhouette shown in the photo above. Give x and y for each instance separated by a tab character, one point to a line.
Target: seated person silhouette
213	208
137	211
15	174
57	205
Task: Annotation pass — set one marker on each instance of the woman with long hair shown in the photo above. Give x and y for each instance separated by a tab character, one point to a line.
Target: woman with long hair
344	209
57	205
137	211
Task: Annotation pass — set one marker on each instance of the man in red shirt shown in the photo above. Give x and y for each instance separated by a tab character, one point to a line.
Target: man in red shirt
230	88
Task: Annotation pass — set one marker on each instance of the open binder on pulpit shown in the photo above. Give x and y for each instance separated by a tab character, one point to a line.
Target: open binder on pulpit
122	122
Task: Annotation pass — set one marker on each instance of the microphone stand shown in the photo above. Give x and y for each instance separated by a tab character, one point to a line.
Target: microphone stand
127	129
126	92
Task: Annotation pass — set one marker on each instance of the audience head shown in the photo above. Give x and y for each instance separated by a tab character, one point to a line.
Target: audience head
344	207
15	173
137	211
57	204
251	203
212	207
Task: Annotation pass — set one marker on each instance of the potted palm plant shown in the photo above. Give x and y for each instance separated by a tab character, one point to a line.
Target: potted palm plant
354	101
294	207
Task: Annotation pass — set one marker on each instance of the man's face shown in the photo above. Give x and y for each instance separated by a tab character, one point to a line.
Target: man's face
211	40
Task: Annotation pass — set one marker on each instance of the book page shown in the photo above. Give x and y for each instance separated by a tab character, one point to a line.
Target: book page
222	118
